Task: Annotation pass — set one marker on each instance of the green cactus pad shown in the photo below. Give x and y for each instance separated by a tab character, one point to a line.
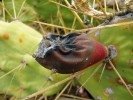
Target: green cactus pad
18	42
111	87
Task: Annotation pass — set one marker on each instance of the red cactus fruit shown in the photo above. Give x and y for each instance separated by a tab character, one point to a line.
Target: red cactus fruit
69	53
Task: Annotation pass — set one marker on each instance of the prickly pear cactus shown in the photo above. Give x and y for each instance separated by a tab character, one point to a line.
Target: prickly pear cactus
21	75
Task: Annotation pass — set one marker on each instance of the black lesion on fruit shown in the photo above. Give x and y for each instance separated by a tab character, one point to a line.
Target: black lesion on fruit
52	42
64	53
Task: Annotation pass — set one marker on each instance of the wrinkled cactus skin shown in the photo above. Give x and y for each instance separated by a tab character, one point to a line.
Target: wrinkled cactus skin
69	53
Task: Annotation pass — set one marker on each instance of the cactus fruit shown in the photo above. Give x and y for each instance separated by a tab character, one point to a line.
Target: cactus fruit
69	53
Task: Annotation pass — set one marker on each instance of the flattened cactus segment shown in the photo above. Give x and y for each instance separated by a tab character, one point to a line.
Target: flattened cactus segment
20	74
110	86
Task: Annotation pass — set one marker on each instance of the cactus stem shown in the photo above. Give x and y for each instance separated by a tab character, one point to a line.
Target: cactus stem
120	78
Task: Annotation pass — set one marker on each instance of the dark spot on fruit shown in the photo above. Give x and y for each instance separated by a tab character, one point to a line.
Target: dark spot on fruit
6	36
